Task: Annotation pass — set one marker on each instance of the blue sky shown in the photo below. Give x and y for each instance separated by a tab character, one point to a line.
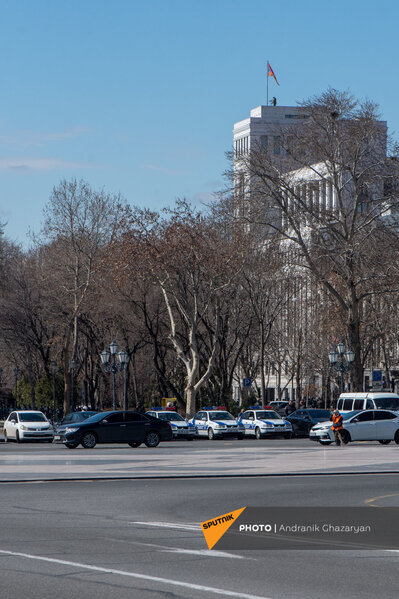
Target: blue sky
140	98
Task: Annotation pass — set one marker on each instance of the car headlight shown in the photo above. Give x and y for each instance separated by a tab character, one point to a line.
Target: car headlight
220	426
23	427
71	429
267	425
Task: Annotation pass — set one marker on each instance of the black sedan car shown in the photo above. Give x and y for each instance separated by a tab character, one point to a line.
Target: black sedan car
303	420
132	428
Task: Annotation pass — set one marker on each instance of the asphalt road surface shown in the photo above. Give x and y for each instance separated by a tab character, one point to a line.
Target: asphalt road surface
141	539
38	461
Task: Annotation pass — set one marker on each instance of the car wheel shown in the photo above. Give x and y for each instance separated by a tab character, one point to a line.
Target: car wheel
152	439
71	445
345	436
134	443
396	437
189	438
384	441
325	442
49	440
5	437
287	435
89	440
258	434
211	434
17	439
240	437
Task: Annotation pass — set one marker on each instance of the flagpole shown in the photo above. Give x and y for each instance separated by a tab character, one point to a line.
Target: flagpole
267	84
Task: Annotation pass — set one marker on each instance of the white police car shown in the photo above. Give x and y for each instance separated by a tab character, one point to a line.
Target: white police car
181	428
216	423
265	423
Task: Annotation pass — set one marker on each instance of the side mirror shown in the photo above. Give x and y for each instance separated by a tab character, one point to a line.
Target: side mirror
355	420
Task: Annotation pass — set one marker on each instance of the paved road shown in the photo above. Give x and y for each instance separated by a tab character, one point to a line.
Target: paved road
141	539
199	458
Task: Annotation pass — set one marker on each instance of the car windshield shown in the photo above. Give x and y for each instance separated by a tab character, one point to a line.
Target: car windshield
268	415
98	417
168	416
220	416
387	403
32	417
320	414
349	414
77	417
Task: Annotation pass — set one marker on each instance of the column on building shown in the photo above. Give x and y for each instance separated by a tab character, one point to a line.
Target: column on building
334	206
321	196
328	205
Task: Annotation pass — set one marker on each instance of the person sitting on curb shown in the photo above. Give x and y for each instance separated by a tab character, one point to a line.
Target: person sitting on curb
337	427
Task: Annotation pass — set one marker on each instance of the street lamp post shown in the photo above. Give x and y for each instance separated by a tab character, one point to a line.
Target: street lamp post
113	367
72	366
54	372
341	360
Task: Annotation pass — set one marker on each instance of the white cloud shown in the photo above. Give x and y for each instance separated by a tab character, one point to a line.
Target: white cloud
35	164
28	138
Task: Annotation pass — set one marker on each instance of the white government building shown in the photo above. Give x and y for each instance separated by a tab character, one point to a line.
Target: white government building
263	129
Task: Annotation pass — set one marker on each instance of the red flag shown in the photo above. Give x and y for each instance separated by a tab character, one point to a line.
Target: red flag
270	73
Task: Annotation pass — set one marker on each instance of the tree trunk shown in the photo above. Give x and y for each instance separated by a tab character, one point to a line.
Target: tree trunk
262	365
355	345
190	400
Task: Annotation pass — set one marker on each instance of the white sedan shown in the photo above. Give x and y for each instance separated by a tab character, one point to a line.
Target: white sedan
367	425
27	425
265	423
216	423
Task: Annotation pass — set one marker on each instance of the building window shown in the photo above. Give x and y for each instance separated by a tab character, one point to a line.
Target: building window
263	142
296	116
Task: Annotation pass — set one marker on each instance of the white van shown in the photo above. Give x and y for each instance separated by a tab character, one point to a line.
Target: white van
368	401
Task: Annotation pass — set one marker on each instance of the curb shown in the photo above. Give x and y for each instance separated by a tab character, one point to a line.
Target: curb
196	477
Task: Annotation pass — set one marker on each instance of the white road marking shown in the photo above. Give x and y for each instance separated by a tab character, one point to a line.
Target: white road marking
175	525
204	552
166	549
168	581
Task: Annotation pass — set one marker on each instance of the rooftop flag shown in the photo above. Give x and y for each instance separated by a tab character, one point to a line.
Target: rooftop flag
270	73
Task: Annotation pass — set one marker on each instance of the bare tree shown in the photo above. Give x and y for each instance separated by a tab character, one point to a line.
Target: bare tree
191	261
331	199
79	224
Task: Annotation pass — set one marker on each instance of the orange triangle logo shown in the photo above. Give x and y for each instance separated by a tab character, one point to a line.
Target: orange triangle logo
214	529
